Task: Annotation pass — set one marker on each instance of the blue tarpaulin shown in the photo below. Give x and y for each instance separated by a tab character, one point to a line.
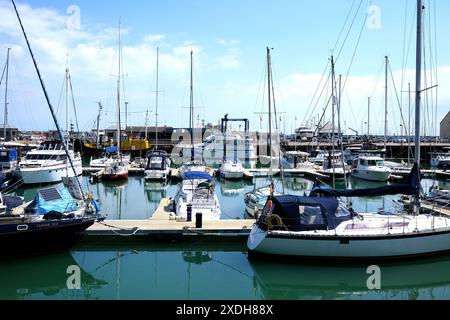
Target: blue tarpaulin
111	149
64	204
193	175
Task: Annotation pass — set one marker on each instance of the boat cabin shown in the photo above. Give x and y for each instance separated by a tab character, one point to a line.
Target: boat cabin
304	213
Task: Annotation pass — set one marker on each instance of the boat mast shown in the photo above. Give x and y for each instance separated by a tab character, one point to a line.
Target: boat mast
409	122
6	96
332	111
157	80
340	130
118	99
146	124
386	105
270	113
67	100
100	107
48	101
368	117
191	108
418	76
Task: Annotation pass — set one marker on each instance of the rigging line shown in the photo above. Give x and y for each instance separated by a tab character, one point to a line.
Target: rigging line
350	28
3	74
60	95
436	57
277	130
328	61
320	96
343	26
404	49
397	96
73	102
433	66
317	90
356	48
47	98
426	112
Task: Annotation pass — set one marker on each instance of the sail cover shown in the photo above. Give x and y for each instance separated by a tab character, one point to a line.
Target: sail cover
200	175
410	186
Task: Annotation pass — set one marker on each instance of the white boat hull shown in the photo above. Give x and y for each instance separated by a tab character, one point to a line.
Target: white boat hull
156	174
372	175
48	174
231	174
395	246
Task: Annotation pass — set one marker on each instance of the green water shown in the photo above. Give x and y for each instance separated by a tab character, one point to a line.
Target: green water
208	269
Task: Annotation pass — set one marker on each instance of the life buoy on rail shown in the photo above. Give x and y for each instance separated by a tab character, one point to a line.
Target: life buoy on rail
273	220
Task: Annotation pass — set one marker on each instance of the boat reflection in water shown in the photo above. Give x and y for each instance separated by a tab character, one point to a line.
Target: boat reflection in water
420	279
215	270
231	188
45	277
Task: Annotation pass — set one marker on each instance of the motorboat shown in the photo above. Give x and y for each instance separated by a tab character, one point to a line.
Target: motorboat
196	195
158	165
232	170
297	160
49	163
370	168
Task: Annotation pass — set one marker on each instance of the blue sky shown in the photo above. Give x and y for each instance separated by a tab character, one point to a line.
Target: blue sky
229	38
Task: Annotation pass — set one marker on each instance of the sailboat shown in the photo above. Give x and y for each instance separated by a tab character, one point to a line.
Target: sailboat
118	167
323	227
196	193
194	165
256	199
158	162
56	218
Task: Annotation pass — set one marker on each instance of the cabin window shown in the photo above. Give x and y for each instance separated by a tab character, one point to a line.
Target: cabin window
310	215
3	154
380	163
372	163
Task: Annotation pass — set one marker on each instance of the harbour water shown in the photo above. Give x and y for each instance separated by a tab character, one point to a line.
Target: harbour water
138	269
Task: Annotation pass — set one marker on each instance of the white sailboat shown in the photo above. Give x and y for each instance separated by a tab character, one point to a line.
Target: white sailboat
321	227
118	167
194	165
256	199
158	162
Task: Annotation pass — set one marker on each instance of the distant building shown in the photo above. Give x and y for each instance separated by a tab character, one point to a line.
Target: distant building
326	132
445	127
11	133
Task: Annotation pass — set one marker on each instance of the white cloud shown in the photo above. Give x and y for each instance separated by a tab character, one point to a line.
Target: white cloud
154	38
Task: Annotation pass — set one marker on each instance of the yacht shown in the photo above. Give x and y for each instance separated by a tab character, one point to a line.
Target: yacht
158	166
371	168
232	170
48	164
304	134
440	160
297	160
196	195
